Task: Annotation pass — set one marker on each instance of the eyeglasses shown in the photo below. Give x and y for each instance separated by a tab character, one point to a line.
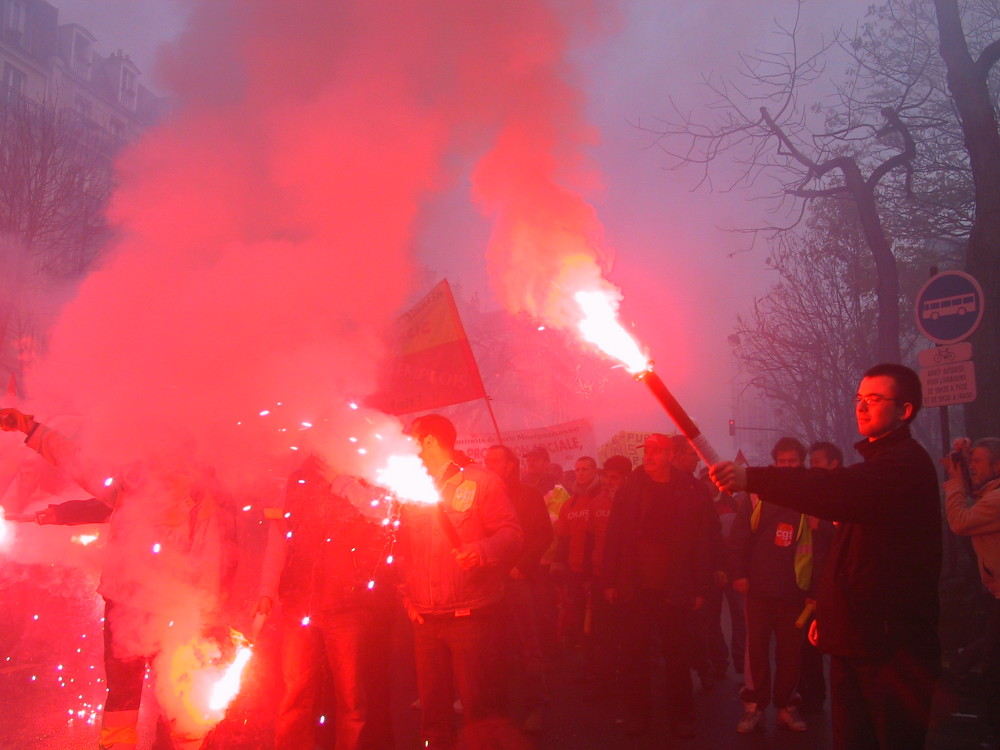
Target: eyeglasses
872	399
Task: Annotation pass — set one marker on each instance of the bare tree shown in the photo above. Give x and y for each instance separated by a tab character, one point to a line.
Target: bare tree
969	72
56	180
805	342
763	122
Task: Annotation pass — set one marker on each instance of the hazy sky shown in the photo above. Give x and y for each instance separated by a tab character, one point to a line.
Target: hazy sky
683	286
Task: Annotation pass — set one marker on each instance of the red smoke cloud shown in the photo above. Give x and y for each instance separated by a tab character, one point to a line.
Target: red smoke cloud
267	227
267	230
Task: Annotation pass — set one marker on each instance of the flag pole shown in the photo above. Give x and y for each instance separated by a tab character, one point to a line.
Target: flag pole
493	417
475	364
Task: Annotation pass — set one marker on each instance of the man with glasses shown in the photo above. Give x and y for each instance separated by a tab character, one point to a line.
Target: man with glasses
877	603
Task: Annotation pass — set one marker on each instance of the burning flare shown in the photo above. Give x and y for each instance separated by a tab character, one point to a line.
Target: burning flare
228	686
407	478
84	539
5	531
600	327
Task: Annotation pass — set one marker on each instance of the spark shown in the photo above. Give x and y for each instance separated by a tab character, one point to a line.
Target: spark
156	548
305	620
247	507
109	481
265	412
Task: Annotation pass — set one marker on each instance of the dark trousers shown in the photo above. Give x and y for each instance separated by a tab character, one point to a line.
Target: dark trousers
336	639
646	614
523	642
737	618
812	681
603	644
991	669
767	617
124	674
458	655
883	703
710	653
125	660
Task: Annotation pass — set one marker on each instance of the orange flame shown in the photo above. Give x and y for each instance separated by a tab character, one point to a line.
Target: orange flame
228	686
407	478
600	327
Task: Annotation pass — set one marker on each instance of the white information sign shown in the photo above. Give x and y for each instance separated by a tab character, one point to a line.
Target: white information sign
944	355
949	384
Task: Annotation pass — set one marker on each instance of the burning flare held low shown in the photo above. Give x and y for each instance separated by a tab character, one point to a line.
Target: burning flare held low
228	686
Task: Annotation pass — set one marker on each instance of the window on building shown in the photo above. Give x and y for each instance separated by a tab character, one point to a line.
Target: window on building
84	107
81	55
14	81
14	21
128	89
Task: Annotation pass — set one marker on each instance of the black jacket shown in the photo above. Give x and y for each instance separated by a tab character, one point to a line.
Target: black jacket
678	514
878	591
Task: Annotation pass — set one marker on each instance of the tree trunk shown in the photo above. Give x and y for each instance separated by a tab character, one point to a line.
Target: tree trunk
886	270
967	80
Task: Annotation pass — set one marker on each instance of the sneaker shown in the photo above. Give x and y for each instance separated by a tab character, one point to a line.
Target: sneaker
753	718
788	718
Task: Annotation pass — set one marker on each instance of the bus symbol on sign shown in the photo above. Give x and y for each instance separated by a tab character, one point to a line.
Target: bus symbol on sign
949	307
958	305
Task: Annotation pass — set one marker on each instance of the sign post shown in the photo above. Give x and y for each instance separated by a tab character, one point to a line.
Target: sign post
949	307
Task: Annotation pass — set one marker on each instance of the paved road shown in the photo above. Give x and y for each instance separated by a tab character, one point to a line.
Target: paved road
35	713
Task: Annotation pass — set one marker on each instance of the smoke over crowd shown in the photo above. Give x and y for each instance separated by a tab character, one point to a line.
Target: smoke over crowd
266	230
266	233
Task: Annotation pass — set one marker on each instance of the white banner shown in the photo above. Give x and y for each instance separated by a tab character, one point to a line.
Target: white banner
565	442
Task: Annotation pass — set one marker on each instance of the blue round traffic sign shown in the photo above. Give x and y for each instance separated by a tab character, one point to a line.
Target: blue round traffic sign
949	307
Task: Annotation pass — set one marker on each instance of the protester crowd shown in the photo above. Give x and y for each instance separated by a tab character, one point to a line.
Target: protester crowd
616	571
